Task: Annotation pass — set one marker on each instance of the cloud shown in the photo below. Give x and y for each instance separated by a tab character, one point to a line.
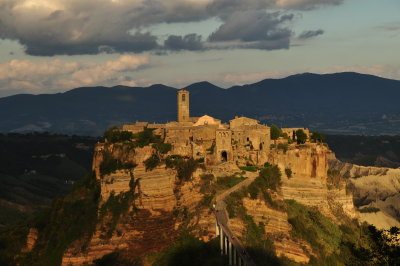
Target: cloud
69	27
255	29
310	34
390	27
191	42
58	75
305	4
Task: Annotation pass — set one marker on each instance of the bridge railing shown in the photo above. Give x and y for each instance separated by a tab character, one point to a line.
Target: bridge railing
231	247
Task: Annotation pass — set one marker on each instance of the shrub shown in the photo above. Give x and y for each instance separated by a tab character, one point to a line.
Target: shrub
226	182
288	172
253	190
109	164
65	221
162	148
275	132
114	135
208	177
116	206
146	137
271	177
283	146
301	136
152	162
185	167
189	250
309	224
317	137
250	168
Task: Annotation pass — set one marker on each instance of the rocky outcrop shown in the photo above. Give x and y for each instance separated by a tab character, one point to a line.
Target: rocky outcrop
30	240
136	233
351	170
304	161
278	229
332	202
376	192
163	205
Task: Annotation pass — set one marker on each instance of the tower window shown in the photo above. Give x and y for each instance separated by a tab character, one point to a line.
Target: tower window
183	97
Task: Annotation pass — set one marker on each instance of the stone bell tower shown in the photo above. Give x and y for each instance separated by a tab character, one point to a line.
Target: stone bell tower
183	106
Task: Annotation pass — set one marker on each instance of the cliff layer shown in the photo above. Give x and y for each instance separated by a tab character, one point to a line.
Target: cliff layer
376	192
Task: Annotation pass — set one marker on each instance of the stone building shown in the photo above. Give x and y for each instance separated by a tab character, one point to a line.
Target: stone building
244	140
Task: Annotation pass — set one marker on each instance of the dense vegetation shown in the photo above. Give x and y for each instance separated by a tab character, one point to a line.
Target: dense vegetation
110	164
275	132
66	220
257	242
301	136
346	244
187	250
185	167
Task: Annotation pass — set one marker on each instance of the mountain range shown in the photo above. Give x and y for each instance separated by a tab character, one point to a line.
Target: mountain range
340	103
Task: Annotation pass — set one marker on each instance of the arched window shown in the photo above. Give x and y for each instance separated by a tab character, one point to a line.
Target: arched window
183	97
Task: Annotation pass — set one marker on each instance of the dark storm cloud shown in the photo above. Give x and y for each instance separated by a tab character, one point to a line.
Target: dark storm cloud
306	4
51	27
255	29
191	42
45	46
310	34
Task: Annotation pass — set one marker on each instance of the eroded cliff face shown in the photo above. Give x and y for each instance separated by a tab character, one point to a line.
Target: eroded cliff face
332	202
161	205
304	161
160	208
277	227
376	192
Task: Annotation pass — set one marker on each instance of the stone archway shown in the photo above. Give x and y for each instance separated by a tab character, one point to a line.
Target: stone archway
224	156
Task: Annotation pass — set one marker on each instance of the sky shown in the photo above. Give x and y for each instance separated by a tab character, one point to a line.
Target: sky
50	46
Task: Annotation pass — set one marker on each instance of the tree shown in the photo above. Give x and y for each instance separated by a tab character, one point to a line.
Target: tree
301	136
276	132
114	135
317	137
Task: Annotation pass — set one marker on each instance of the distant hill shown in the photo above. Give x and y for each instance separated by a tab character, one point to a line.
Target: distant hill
36	168
341	103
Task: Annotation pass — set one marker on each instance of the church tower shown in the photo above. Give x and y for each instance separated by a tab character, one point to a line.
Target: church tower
183	106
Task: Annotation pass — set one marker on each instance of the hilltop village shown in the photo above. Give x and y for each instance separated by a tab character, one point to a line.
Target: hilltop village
244	140
240	185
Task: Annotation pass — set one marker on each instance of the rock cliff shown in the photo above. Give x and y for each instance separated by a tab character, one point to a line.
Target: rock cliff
161	207
376	192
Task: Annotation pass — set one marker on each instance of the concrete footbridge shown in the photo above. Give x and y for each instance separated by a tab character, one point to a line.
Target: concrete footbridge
229	244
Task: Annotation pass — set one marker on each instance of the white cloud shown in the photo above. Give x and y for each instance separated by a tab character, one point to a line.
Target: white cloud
58	75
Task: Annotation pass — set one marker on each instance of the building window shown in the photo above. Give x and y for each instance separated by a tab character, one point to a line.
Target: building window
183	97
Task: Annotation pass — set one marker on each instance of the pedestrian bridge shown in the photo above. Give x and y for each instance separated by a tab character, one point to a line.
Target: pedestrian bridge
230	245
